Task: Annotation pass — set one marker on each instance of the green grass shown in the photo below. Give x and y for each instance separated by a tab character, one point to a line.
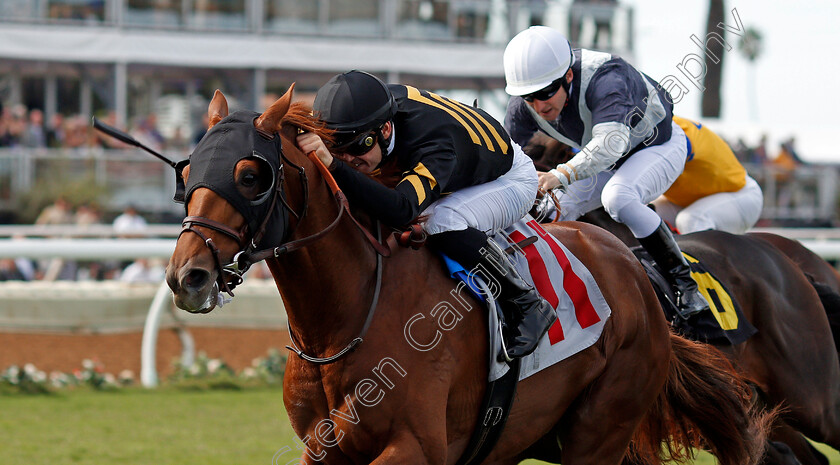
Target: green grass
138	427
160	427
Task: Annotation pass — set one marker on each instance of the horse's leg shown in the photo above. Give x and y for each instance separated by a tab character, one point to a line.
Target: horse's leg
805	377
778	453
599	430
633	353
792	357
804	451
406	449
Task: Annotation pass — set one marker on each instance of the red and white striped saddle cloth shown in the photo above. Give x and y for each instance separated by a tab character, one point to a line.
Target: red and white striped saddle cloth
566	284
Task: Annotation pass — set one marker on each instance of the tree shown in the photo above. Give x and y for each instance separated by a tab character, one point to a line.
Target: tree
750	47
710	104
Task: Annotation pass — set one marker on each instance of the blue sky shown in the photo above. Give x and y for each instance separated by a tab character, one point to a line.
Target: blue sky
794	79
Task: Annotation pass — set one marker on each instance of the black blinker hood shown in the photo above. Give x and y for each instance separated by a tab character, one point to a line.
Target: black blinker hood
214	160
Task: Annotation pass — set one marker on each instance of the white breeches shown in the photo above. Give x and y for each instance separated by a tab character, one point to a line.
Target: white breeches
734	212
490	206
625	192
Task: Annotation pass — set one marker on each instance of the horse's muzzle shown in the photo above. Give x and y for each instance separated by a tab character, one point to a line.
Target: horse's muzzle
194	289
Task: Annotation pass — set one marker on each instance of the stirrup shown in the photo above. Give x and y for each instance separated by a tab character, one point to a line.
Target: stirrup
503	355
684	312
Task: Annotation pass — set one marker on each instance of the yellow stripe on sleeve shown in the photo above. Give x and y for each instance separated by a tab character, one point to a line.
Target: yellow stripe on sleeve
415	94
418	187
421	170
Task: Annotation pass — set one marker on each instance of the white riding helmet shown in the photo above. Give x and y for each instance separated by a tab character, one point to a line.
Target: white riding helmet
535	58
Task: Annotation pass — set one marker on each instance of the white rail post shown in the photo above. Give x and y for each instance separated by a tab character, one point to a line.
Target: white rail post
148	366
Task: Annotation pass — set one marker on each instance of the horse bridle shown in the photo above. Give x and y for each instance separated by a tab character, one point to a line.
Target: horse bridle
248	254
231	274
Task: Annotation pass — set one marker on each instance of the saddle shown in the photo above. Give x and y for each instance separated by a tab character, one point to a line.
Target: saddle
723	324
566	284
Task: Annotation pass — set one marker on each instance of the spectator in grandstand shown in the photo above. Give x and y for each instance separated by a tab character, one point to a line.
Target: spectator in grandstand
78	133
784	165
55	131
759	152
144	270
129	223
106	141
742	152
13	126
788	149
201	130
147	132
35	136
178	142
16	269
88	214
59	212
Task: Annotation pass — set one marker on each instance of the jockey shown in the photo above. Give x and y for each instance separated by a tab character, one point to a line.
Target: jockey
714	191
620	119
459	170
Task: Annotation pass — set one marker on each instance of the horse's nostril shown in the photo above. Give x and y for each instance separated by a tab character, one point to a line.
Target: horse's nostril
196	279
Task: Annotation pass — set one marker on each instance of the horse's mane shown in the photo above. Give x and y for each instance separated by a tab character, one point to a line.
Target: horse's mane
300	116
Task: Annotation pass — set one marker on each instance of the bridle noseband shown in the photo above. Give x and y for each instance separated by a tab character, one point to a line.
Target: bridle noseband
239	236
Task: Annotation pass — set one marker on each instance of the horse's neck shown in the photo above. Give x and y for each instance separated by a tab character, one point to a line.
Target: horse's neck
327	285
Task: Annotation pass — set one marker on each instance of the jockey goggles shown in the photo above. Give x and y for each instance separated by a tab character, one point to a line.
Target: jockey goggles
357	146
546	92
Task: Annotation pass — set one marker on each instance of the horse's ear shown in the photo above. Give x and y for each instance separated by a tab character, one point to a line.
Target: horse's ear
217	110
269	121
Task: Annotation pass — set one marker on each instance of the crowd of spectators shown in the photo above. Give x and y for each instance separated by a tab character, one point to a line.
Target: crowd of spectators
22	127
783	163
128	224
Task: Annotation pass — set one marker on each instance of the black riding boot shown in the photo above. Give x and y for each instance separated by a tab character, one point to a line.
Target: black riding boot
666	253
528	316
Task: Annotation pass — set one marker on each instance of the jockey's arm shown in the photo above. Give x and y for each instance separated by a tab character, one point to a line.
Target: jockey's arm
610	141
394	207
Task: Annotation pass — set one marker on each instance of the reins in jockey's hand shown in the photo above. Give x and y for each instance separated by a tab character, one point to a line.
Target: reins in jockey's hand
540	209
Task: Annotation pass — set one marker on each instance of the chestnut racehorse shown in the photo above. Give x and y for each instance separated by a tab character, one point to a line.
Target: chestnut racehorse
790	295
401	394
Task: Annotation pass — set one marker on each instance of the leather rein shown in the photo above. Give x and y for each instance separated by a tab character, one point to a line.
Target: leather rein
231	274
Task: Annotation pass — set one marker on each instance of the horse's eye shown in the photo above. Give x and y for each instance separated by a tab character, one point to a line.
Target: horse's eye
249	180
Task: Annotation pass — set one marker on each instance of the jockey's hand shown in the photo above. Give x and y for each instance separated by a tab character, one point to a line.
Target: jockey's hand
310	142
558	178
548	181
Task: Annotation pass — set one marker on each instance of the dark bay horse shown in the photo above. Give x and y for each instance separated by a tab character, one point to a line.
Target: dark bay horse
410	392
790	295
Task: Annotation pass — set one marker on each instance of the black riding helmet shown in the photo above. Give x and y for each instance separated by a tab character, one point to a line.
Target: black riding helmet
355	105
